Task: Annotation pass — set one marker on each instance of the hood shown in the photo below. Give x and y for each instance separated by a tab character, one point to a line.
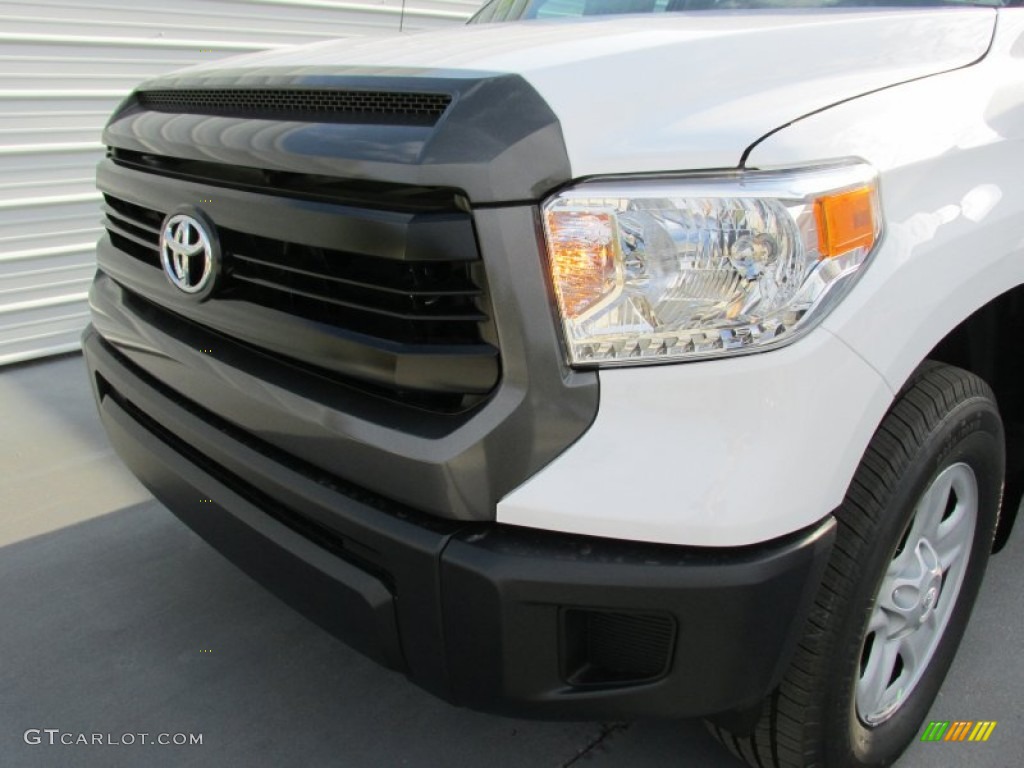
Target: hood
669	91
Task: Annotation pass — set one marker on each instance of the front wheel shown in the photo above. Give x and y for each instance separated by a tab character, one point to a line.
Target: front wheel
915	532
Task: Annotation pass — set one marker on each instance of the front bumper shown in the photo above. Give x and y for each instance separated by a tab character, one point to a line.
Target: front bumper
493	617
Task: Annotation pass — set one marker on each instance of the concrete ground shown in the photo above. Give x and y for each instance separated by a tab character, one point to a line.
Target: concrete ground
116	619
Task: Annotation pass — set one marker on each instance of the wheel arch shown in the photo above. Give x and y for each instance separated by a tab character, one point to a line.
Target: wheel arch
981	343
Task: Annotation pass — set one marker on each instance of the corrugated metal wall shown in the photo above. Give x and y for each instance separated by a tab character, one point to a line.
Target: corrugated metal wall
64	66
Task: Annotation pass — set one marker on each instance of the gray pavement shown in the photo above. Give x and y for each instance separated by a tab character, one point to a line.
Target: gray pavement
117	619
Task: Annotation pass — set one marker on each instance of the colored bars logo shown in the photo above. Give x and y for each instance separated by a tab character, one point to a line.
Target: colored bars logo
958	730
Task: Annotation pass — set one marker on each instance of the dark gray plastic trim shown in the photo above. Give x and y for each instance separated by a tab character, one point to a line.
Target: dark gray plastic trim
498	141
456	466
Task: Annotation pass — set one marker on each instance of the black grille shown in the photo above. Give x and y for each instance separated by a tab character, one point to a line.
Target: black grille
414	302
312	105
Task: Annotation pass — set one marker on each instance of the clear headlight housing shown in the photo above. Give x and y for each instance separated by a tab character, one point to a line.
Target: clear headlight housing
657	269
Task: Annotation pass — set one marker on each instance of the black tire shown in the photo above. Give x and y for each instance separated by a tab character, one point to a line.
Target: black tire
945	419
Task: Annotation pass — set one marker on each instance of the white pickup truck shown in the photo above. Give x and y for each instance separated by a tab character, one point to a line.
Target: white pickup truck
629	358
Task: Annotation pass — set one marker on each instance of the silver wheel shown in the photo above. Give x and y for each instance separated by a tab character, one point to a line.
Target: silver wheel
917	594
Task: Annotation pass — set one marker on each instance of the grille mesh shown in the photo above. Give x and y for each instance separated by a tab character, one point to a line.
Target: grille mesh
611	647
314	105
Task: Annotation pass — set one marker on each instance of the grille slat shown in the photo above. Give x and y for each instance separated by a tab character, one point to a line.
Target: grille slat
361	307
310	105
128	218
139	216
144	254
355	283
125	230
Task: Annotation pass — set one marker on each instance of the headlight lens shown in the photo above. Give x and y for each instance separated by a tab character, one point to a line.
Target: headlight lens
672	269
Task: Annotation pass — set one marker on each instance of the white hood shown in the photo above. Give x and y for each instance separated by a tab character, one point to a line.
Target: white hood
675	91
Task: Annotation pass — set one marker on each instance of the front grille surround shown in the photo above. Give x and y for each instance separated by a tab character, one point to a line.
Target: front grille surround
384	299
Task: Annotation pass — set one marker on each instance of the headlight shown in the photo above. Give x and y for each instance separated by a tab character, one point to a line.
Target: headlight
652	270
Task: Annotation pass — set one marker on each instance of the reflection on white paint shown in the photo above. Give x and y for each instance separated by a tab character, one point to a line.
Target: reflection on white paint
921	227
979	202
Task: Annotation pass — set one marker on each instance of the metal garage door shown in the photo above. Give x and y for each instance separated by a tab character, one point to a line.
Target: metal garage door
64	66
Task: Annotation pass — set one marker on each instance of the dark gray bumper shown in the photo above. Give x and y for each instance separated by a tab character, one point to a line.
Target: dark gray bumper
492	617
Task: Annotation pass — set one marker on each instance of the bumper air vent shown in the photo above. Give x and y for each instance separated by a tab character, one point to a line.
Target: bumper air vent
615	648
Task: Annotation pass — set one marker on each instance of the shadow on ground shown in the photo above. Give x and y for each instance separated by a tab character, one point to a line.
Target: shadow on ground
129	623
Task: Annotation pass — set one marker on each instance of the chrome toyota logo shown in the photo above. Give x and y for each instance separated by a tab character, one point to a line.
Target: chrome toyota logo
188	253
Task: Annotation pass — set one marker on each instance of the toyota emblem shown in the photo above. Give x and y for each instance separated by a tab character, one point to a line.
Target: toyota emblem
188	253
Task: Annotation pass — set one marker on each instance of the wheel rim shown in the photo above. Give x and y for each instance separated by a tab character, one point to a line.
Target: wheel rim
917	594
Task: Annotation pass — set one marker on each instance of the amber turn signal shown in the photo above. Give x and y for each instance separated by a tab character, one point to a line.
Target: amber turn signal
846	221
581	247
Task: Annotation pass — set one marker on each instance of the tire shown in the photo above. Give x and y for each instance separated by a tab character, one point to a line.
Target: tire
899	587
